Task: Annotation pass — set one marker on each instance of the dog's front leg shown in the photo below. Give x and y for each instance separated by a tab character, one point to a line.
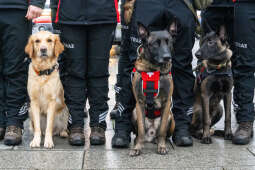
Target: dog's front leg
227	107
35	118
48	141
141	130
206	139
163	129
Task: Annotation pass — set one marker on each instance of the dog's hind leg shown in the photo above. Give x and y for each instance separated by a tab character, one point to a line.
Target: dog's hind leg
64	120
227	107
51	111
35	118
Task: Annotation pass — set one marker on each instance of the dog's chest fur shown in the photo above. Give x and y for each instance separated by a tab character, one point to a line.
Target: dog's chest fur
218	85
45	89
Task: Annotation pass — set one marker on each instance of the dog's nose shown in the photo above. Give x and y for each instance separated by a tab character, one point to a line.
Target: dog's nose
43	50
167	57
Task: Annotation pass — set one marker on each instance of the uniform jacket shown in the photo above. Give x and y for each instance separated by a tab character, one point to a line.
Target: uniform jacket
21	4
86	12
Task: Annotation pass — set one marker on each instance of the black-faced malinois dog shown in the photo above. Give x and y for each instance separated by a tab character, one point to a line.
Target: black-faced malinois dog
153	87
213	83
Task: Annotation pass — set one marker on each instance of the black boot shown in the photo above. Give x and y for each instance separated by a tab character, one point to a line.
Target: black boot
2	133
113	113
13	135
76	136
182	137
243	134
97	136
121	139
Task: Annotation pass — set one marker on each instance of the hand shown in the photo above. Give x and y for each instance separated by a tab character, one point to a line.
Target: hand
33	12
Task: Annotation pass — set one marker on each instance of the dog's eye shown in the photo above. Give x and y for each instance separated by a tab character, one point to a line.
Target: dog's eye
49	40
37	41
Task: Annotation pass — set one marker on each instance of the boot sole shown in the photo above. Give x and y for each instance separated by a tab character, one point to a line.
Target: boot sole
97	142
10	142
120	144
77	143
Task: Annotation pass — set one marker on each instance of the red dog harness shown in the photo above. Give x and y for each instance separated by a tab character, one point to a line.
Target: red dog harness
150	88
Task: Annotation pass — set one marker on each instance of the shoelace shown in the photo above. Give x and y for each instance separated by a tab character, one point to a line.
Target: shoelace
12	129
244	126
76	130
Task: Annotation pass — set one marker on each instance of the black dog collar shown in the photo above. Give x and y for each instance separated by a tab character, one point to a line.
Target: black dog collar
47	71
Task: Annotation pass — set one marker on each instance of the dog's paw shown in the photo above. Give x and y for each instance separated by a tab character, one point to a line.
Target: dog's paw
135	152
36	142
206	140
162	150
63	134
48	143
228	136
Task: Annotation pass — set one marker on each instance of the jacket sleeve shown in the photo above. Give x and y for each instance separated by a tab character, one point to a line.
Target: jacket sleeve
38	3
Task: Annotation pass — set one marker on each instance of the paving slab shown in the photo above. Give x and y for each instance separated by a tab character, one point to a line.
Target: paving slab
239	168
190	157
41	159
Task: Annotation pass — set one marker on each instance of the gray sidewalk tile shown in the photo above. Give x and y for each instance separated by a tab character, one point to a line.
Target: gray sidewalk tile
41	159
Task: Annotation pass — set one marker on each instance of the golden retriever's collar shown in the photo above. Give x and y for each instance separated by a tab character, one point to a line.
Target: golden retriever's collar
45	72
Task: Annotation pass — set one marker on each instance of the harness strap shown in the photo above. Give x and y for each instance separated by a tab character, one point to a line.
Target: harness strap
150	89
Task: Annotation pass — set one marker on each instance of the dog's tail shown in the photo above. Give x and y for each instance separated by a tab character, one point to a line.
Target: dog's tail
115	51
128	8
61	121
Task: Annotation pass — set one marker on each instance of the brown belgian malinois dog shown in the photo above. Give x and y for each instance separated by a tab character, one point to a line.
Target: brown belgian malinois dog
214	82
153	88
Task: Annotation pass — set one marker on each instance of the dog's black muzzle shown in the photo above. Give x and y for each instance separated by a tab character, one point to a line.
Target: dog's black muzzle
164	55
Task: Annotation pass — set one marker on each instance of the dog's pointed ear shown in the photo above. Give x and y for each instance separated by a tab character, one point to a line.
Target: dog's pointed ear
59	47
143	32
172	27
29	49
222	33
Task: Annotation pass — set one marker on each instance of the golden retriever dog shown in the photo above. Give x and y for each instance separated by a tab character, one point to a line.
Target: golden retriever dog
48	112
115	51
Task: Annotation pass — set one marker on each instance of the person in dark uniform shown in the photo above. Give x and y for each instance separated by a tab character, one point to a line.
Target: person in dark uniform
56	30
243	69
87	32
156	15
15	28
